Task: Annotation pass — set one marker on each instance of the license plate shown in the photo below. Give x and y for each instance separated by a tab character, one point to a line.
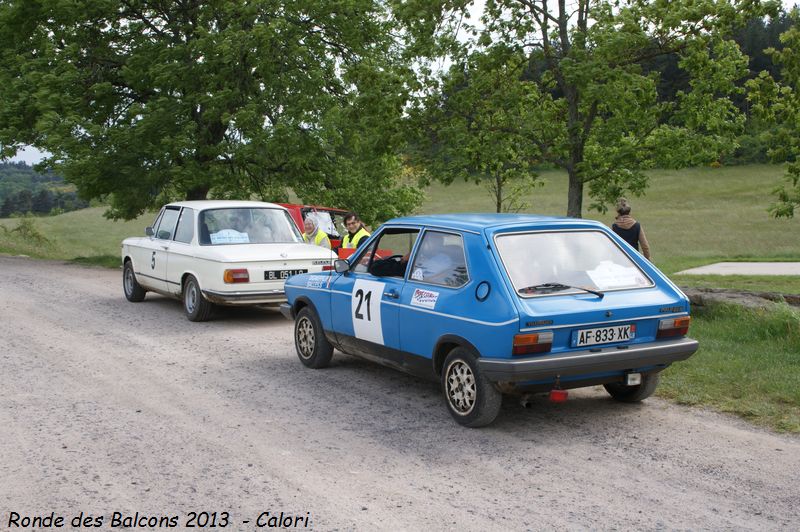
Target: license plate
281	275
604	335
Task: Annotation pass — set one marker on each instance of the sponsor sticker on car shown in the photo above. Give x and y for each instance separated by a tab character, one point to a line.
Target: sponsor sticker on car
424	298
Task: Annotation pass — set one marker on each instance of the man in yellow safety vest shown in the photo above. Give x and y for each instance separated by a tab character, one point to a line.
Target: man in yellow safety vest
356	232
314	234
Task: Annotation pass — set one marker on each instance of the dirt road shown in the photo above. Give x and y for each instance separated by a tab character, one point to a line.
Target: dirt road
108	406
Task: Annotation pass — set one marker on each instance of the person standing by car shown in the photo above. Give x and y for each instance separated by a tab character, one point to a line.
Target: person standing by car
357	234
629	229
314	234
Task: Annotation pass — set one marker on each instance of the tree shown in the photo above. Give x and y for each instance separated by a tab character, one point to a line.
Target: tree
778	103
144	101
477	127
42	202
594	105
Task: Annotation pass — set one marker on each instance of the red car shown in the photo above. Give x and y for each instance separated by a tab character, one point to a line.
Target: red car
330	220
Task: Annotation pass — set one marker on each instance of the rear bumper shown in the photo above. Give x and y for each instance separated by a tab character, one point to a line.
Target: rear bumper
267	297
589	361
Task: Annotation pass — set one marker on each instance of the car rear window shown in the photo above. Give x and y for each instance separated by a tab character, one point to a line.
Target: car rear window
246	225
545	263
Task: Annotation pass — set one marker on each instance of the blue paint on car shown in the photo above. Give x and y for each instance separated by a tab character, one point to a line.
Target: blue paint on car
496	303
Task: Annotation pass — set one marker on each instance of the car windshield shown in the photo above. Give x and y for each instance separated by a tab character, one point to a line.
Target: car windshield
246	225
545	263
329	222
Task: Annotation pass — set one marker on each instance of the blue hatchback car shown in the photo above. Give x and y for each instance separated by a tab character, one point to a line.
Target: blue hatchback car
491	304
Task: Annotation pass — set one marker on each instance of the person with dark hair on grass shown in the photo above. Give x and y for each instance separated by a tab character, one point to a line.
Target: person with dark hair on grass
629	229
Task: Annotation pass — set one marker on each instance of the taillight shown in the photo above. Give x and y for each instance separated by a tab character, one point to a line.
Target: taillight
327	268
525	344
236	276
673	327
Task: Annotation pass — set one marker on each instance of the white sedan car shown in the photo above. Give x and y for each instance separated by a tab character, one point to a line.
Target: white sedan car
219	252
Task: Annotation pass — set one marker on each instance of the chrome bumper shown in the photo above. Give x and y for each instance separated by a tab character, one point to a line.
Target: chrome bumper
267	297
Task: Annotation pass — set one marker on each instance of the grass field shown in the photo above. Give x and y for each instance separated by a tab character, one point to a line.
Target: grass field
747	364
691	217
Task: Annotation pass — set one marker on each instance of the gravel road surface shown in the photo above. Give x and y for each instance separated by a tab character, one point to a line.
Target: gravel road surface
108	406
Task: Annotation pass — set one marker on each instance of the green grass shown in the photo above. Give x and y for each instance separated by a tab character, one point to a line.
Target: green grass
747	365
783	284
691	217
84	235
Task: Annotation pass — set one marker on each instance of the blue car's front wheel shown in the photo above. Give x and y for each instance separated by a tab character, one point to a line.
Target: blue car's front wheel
471	398
313	348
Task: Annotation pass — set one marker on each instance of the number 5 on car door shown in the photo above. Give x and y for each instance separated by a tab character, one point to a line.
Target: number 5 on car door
366	310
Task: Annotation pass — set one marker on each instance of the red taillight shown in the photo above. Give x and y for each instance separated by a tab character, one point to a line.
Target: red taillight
525	344
236	276
673	327
327	268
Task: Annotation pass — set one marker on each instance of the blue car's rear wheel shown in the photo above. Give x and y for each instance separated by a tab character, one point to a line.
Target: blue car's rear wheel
313	348
471	398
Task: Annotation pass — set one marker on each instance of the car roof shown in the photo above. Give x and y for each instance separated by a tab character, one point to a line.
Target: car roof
223	204
492	222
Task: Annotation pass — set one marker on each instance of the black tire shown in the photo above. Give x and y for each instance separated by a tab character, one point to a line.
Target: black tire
471	398
313	349
133	290
634	394
196	306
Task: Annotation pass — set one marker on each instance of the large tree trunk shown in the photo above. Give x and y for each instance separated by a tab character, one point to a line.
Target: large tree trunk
574	194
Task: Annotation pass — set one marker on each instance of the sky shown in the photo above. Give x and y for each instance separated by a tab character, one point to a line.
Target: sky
31	155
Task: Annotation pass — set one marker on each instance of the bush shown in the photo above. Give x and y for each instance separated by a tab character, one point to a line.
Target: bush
26	229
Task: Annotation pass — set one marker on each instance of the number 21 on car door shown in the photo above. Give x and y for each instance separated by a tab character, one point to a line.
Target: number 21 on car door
366	310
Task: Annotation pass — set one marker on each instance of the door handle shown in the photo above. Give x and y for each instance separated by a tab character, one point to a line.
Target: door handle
391	293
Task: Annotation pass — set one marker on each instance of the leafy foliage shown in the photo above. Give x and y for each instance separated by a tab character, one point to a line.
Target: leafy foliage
778	103
146	102
591	94
479	126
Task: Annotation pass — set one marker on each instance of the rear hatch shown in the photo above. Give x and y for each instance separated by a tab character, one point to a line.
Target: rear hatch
580	287
585	321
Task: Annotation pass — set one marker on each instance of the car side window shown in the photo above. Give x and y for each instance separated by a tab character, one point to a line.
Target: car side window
185	230
166	228
387	255
441	260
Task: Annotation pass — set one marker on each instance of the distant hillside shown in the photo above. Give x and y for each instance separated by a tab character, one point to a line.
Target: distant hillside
24	190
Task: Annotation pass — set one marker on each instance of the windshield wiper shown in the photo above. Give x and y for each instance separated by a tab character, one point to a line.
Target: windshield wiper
557	287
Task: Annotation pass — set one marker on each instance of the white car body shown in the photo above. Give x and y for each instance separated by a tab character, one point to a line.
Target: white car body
163	263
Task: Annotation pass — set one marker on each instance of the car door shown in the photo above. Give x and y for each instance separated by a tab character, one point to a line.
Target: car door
181	255
155	267
365	300
434	290
142	254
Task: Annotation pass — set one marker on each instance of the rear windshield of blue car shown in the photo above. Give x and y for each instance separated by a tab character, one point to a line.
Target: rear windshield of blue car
559	262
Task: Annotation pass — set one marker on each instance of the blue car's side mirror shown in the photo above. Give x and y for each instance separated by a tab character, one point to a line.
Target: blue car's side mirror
341	266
